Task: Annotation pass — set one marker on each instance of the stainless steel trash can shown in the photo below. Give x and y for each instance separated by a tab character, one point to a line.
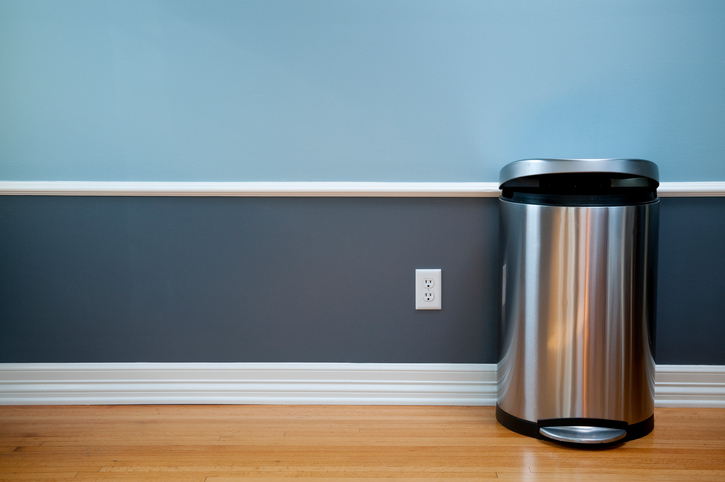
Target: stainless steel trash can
578	258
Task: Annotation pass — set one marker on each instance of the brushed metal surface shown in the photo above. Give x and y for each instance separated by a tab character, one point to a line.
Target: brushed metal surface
536	167
578	305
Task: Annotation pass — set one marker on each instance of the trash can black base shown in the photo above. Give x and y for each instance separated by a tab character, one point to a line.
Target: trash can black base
533	429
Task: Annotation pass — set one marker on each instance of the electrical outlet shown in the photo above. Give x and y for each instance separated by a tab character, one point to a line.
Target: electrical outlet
428	289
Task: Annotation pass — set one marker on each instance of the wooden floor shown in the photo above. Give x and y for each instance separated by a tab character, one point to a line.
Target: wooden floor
226	443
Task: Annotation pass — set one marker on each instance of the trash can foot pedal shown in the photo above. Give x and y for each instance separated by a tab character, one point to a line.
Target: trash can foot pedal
583	434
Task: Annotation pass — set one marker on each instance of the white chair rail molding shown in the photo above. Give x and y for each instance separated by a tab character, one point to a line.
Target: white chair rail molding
303	189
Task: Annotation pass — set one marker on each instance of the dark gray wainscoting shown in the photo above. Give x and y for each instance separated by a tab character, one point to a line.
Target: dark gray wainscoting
111	279
691	291
245	279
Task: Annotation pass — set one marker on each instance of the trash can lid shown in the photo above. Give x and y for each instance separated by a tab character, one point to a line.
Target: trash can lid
536	167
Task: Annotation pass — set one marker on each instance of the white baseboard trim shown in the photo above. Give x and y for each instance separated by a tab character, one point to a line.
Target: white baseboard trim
247	383
302	189
302	383
690	386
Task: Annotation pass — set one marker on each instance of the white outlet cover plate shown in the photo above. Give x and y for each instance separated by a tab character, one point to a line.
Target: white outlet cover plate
428	289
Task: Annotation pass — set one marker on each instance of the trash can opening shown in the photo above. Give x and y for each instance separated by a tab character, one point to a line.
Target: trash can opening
580	182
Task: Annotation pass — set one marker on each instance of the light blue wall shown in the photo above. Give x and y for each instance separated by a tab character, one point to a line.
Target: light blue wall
356	90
